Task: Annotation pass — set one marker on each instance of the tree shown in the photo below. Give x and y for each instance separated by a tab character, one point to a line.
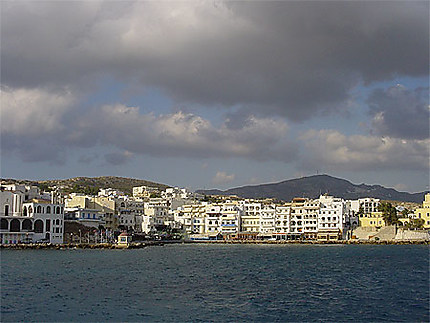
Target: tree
405	213
389	213
415	224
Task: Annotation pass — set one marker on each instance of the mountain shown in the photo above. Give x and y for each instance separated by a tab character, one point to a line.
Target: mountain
86	184
313	186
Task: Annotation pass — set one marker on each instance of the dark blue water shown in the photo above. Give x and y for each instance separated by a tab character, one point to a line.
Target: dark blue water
218	283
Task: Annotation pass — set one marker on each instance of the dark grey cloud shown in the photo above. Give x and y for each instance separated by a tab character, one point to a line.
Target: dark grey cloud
118	158
290	58
400	113
41	125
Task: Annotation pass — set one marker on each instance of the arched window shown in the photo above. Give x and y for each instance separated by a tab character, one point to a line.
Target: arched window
48	225
30	209
4	224
122	204
24	211
57	222
6	210
39	209
27	225
15	225
48	209
38	226
58	210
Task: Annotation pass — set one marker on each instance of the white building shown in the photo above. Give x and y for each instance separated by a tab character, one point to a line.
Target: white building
144	191
267	220
93	218
156	214
368	205
32	220
331	218
251	214
230	218
282	221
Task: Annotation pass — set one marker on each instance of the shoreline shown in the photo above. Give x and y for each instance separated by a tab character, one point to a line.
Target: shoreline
141	245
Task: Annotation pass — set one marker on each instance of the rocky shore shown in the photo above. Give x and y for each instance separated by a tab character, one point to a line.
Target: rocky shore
134	245
140	245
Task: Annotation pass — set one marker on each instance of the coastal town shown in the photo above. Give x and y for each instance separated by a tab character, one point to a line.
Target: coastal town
31	215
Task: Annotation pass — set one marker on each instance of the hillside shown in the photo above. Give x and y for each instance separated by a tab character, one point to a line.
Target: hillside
313	186
92	183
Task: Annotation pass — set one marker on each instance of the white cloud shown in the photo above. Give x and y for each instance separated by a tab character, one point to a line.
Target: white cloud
335	151
223	178
184	134
33	111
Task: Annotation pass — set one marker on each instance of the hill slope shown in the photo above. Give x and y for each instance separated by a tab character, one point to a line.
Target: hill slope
123	184
313	186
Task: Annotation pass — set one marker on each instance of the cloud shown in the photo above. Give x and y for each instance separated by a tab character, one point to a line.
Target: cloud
400	113
185	135
293	59
223	178
118	158
33	121
42	126
335	151
35	111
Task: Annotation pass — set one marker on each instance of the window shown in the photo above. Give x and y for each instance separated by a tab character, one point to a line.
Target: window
38	226
48	209
6	210
39	209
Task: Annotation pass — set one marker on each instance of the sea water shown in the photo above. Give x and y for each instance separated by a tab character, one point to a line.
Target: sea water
203	282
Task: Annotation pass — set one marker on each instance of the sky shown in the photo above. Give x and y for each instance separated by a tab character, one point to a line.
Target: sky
216	94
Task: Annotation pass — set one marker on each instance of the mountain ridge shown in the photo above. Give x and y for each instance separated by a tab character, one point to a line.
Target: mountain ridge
313	186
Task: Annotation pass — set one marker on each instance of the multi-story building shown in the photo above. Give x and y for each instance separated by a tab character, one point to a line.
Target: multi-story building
282	221
106	205
296	217
29	220
331	218
156	214
374	219
424	212
251	214
213	219
144	191
267	220
230	218
366	205
89	217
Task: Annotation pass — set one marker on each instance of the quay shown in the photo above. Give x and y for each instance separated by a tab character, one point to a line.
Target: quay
141	245
133	245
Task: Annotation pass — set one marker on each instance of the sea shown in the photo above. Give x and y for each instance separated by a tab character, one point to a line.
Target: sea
218	283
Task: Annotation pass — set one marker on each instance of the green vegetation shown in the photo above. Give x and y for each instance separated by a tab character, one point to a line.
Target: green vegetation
405	213
389	213
211	199
44	187
415	224
89	185
88	190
